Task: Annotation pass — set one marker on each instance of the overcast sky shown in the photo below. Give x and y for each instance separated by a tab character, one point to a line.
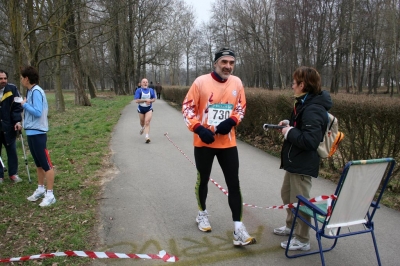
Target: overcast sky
202	9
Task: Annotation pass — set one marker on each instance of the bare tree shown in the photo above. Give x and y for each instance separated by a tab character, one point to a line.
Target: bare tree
114	44
205	47
254	29
188	35
12	45
77	70
351	42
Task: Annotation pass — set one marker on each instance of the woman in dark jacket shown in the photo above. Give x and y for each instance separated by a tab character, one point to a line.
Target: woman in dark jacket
299	156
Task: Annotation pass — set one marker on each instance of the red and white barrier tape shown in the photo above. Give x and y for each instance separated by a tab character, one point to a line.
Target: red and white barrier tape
294	205
286	206
212	180
162	255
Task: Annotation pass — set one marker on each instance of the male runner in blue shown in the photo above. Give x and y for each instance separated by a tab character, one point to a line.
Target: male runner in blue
145	96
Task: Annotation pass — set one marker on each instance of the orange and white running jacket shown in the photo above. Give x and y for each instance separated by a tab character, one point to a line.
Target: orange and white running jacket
205	94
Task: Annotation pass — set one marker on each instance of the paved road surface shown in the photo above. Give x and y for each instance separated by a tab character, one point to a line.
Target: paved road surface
149	204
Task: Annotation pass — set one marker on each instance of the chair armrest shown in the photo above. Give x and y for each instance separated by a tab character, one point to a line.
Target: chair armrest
303	201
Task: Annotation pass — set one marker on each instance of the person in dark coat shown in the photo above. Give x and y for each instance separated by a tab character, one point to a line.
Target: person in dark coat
299	156
137	87
158	90
151	85
10	125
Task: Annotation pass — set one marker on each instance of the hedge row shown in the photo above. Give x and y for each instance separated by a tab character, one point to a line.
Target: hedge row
371	124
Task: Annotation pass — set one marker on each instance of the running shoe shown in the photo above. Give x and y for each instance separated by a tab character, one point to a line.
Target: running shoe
295	244
282	231
147	140
242	238
202	222
36	195
141	131
15	178
47	201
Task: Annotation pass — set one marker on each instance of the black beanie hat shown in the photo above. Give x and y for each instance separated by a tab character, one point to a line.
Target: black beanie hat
222	52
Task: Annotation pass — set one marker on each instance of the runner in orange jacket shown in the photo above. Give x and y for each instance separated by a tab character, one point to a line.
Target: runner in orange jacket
213	106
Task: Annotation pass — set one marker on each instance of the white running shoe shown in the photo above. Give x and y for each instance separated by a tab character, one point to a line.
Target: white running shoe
202	221
282	231
295	244
15	178
47	201
242	238
36	195
141	131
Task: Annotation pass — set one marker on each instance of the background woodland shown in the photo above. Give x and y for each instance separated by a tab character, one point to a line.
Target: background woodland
96	45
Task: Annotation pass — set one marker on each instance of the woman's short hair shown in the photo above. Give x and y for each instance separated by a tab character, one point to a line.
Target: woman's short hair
31	73
310	77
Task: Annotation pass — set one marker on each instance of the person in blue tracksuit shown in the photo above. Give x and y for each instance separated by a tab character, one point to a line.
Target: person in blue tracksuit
36	126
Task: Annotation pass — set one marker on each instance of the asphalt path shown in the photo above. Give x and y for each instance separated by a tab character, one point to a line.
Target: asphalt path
149	204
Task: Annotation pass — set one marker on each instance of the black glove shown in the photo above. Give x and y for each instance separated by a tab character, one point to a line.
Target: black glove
206	135
225	126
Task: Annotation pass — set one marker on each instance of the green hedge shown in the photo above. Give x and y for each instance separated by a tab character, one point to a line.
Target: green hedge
371	124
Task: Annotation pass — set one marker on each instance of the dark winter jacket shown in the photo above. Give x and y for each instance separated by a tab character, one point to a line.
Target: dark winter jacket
151	85
10	112
309	120
158	88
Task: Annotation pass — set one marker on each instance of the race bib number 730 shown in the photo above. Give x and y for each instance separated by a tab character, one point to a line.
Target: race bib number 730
218	113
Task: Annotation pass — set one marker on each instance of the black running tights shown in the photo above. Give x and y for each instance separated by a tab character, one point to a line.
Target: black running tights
228	159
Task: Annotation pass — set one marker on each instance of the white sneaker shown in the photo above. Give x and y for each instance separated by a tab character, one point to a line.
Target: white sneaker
202	221
15	178
242	238
141	131
282	231
47	201
295	244
36	195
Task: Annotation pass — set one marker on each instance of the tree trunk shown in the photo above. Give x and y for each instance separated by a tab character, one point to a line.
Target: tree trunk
77	70
91	87
32	40
371	62
60	103
103	67
362	67
15	34
351	45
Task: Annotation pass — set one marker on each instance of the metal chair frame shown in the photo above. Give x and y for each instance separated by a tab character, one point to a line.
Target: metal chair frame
323	214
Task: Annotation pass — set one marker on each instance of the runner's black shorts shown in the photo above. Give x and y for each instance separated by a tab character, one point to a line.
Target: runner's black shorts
38	149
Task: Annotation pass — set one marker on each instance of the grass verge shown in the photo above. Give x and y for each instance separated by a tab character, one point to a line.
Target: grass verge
78	142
